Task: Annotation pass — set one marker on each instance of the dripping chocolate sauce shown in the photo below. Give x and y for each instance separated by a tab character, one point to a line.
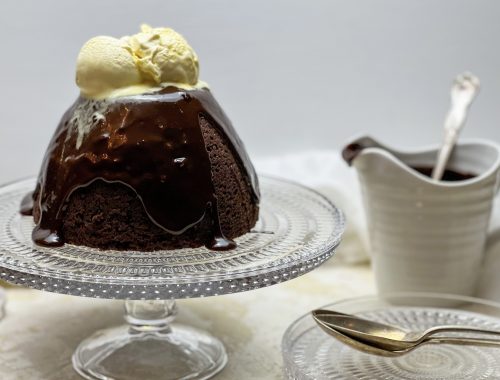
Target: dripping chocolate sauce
351	151
151	143
27	204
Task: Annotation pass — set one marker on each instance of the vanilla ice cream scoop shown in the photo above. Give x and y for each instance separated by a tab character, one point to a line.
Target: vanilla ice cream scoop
154	58
163	55
105	64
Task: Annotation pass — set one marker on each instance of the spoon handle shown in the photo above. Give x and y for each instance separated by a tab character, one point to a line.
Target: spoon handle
463	341
465	88
441	329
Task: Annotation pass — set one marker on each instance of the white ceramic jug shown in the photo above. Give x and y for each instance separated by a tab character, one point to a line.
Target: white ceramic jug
426	235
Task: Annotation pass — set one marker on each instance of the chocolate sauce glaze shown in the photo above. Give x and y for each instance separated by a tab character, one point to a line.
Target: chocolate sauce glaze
151	143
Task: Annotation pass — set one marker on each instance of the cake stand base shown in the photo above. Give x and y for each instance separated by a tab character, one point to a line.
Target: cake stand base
149	347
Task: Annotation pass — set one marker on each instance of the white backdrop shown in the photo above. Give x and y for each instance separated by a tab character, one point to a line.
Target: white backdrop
292	75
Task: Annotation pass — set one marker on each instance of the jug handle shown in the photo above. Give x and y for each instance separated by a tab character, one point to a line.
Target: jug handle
494	235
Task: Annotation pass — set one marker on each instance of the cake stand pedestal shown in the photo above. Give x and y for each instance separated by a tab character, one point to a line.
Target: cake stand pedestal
298	230
152	347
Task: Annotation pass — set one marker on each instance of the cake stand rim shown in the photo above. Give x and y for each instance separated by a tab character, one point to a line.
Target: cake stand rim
159	288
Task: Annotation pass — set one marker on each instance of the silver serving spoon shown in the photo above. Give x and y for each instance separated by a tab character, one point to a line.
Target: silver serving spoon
389	337
464	90
375	350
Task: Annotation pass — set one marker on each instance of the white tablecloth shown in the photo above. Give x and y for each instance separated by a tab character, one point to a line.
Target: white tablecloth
41	330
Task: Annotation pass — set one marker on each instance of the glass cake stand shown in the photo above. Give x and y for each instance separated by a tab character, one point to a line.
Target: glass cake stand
298	230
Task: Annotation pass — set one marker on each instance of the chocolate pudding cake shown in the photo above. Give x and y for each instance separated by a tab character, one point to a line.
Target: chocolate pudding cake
145	159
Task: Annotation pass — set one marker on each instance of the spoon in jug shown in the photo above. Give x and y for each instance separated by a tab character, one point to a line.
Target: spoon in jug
464	90
392	338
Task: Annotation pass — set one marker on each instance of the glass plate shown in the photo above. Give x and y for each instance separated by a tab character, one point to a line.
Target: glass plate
298	229
309	353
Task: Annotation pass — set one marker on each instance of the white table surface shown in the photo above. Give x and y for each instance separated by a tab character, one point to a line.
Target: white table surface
41	330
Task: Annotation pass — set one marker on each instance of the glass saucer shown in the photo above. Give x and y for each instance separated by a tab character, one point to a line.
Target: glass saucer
309	353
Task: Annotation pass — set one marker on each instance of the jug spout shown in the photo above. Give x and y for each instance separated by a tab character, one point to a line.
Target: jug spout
366	152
